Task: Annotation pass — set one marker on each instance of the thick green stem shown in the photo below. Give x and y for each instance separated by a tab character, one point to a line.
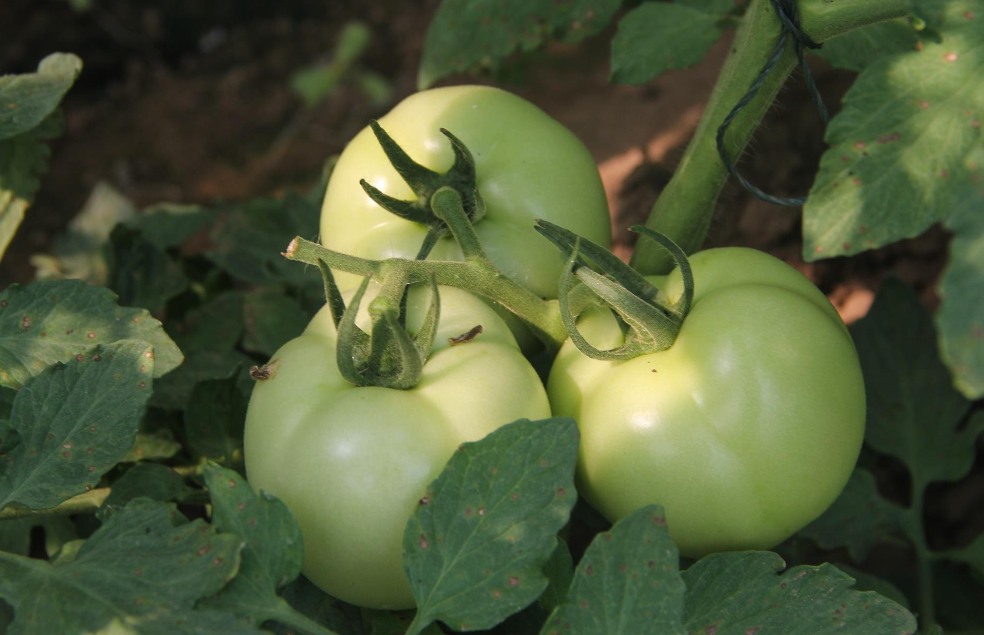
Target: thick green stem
684	210
476	276
916	531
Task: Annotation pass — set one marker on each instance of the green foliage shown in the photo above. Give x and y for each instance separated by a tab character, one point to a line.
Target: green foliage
145	480
75	421
855	50
141	571
961	290
56	321
736	592
475	547
899	147
658	36
270	558
314	83
627	582
470	34
214	421
28	119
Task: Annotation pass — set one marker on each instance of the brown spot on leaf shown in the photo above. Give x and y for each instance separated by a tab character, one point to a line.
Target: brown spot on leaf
79	358
90	335
950	57
513	581
924	104
423	542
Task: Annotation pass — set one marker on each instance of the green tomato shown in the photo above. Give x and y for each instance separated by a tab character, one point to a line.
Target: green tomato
353	462
745	430
528	166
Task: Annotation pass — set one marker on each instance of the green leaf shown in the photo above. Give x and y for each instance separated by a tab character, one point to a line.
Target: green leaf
658	36
167	225
899	147
308	599
79	252
960	318
23	159
75	422
7	396
738	593
173	391
140	273
55	321
474	553
628	582
859	519
138	573
272	318
15	536
560	573
857	49
214	421
145	480
215	326
272	555
913	409
26	100
149	446
249	240
469	34
864	581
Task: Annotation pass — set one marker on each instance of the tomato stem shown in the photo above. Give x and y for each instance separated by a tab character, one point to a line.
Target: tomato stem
478	276
684	210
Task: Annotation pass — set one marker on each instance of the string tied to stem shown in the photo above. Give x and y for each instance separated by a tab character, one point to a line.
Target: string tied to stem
788	13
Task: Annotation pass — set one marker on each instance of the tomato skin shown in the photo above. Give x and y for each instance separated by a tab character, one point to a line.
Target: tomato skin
745	430
353	462
528	166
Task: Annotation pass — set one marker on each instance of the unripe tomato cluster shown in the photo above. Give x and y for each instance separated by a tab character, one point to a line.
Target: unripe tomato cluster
745	430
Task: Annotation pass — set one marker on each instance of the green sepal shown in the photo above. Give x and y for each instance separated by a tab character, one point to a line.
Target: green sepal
425	182
604	260
428	330
648	321
336	305
352	352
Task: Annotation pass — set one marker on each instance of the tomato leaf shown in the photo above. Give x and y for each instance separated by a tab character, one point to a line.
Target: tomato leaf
139	573
627	582
173	391
214	421
658	36
913	409
248	240
271	556
75	421
972	554
140	273
167	225
465	34
899	147
272	318
857	49
560	572
960	318
864	581
23	159
150	446
475	549
859	519
217	325
737	593
145	480
304	596
26	100
54	321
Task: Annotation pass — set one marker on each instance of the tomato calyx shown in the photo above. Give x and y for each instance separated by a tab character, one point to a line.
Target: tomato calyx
425	183
594	276
388	356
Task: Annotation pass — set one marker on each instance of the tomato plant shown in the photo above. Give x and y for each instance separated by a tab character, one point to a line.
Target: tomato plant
527	166
353	462
745	429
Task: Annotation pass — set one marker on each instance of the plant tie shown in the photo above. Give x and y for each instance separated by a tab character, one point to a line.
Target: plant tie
788	14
